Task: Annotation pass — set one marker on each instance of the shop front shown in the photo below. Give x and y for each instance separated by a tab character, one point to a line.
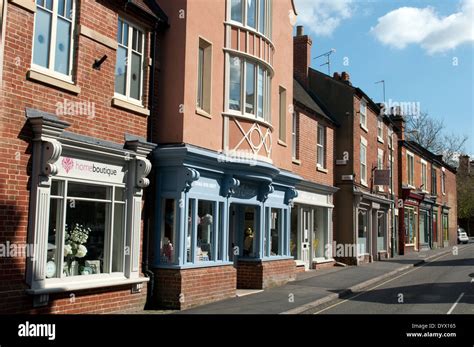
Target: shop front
311	226
220	226
410	222
85	211
371	226
425	220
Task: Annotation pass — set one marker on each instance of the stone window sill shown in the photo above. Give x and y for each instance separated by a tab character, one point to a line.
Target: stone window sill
86	284
43	78
128	106
296	161
321	169
201	112
282	143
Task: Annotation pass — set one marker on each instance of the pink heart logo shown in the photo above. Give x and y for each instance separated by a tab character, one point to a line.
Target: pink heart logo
67	164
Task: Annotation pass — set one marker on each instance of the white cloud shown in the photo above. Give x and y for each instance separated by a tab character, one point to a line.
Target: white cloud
424	26
322	17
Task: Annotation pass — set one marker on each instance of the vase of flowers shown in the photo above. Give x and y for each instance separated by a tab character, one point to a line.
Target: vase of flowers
74	248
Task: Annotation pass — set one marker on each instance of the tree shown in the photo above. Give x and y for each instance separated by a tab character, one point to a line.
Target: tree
465	192
431	133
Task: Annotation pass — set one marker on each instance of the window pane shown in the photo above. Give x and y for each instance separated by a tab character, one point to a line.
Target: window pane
261	24
42	38
189	236
119	194
84	237
250	88
205	231
125	34
251	13
136	73
135	39
362	231
168	231
260	92
236	10
200	77
52	260
61	7
63	42
121	71
275	232
69	9
249	234
119	31
235	84
118	246
79	190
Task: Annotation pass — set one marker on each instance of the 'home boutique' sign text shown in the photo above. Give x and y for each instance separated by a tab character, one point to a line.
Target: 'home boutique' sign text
90	170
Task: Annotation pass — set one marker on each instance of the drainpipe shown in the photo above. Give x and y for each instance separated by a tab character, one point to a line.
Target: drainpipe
392	250
147	208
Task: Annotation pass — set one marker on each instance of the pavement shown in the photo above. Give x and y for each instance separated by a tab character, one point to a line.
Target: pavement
314	289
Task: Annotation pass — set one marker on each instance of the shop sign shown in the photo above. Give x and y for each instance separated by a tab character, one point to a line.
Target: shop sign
90	170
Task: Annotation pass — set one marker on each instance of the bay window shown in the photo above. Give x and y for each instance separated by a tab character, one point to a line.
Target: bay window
255	14
86	229
248	85
129	64
53	37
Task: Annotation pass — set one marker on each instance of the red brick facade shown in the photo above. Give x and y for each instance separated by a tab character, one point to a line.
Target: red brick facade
110	123
265	274
185	288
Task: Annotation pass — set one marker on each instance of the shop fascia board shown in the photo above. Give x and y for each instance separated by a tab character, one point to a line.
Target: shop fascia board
314	187
208	160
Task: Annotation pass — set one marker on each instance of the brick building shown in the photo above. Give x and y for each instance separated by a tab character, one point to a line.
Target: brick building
428	206
313	133
223	186
76	94
364	171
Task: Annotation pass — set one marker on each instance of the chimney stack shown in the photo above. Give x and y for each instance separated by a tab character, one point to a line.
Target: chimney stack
336	76
464	164
345	77
399	122
301	55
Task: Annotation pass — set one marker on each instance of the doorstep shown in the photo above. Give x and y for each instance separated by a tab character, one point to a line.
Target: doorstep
244	292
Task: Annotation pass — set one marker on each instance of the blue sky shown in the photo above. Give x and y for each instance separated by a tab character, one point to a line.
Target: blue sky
423	49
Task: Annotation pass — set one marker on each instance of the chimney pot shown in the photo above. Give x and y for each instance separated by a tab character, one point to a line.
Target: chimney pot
299	30
345	76
336	76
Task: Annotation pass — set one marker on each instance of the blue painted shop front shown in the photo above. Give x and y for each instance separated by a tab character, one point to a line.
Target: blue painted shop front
211	213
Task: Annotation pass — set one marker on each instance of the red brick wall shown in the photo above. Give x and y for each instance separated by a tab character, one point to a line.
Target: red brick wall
307	126
185	288
18	93
104	300
373	145
265	274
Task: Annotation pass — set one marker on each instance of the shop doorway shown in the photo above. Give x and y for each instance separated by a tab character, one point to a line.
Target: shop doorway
243	231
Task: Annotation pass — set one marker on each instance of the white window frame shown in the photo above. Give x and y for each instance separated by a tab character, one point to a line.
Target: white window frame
108	236
243	85
127	97
424	175
294	136
54	21
321	146
443	181
363	164
380	130
410	174
363	115
380	164
390	138
267	18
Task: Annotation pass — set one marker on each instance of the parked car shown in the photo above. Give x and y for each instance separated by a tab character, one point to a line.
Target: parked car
462	236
